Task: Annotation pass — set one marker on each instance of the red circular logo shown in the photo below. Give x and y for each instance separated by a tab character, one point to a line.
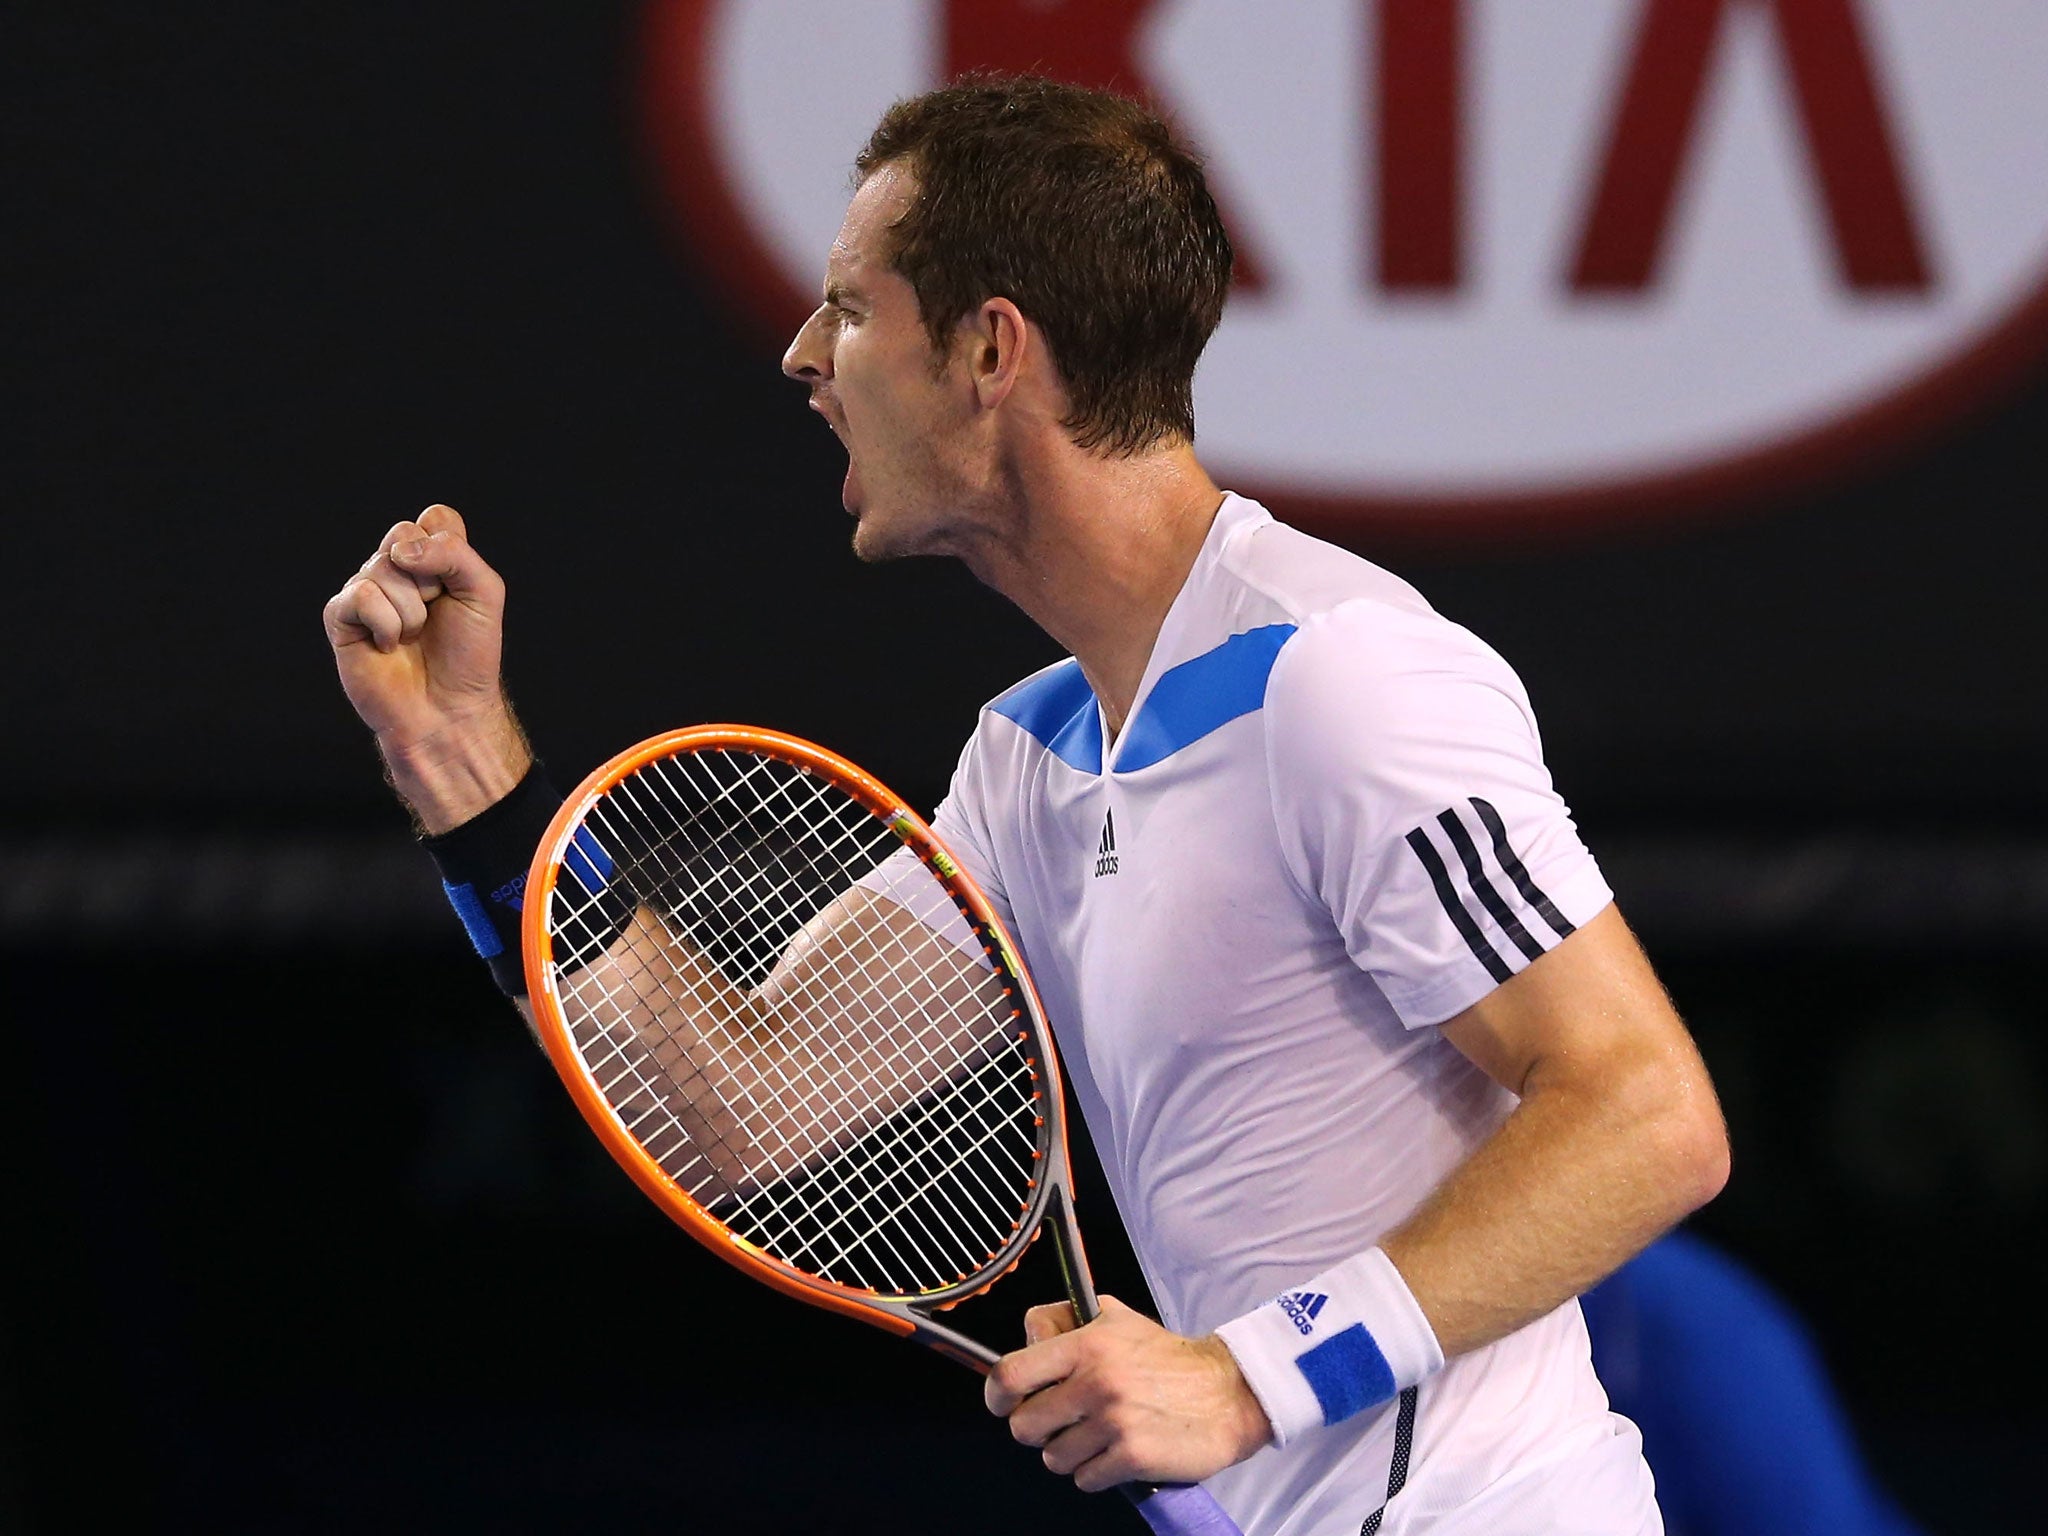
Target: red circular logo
1503	268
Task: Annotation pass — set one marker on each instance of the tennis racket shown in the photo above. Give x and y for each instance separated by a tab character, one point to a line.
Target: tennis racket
796	1023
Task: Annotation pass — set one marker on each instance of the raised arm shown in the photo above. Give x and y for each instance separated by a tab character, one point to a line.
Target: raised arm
417	634
418	637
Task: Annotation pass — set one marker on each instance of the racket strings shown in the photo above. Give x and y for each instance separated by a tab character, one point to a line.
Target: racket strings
881	1189
896	1185
857	1098
892	1192
716	887
972	1112
836	983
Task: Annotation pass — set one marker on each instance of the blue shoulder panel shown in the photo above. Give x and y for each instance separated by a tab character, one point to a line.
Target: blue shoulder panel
1194	698
1058	708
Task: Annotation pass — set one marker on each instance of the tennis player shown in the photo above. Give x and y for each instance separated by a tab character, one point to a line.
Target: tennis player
1380	1078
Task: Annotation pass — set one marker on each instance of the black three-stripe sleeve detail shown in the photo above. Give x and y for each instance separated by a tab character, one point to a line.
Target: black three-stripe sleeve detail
1482	887
1518	872
1446	893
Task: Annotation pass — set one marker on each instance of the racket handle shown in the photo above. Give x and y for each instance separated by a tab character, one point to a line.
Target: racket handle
1180	1509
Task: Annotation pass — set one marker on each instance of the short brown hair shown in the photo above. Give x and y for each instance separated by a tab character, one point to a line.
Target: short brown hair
1084	210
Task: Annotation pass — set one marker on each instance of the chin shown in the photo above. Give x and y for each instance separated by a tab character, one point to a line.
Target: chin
898	529
870	541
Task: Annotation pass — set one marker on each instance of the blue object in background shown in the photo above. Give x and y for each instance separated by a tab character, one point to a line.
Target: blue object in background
1740	1424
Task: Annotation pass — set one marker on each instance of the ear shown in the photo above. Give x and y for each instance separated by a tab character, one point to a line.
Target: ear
998	342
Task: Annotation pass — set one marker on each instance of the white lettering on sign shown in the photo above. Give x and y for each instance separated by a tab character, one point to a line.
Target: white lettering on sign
1499	262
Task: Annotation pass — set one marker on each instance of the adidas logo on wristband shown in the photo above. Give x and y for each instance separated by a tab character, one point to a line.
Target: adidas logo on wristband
1348	1341
1303	1307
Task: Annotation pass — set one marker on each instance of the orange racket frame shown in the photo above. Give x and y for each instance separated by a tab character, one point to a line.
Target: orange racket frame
1051	1194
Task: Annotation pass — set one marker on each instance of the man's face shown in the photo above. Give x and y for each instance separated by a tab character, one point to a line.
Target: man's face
869	364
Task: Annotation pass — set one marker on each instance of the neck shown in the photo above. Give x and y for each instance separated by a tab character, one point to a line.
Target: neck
1097	554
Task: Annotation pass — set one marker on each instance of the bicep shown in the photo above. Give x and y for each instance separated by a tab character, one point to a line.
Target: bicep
1588	1011
902	974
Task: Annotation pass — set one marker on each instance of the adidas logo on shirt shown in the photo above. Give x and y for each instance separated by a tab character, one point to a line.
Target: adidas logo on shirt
1304	1307
1105	856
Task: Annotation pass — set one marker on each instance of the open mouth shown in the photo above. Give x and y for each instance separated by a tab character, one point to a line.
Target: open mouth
849	491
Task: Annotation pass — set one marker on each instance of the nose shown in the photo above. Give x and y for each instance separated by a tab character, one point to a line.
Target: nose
808	359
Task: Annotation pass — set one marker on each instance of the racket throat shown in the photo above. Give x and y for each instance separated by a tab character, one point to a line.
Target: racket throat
1066	1242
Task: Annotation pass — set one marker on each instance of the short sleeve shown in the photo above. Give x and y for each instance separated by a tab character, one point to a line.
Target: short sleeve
962	827
1411	798
961	822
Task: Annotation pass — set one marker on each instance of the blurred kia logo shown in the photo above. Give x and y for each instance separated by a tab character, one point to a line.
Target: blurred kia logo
1503	265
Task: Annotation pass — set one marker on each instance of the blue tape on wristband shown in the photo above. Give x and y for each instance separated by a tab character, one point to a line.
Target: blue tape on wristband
1347	1373
483	864
587	861
476	922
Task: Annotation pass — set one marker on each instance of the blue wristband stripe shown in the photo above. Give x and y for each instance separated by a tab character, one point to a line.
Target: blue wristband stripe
588	862
476	922
1347	1372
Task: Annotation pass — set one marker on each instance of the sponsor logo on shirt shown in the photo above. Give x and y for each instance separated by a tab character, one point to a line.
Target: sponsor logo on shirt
1304	1307
1105	855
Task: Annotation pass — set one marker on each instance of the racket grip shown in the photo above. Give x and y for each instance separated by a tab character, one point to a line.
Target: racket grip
1180	1509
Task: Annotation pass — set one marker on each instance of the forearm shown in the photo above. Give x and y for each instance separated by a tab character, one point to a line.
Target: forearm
1616	1136
1569	1187
1577	1180
1593	1163
460	771
735	1067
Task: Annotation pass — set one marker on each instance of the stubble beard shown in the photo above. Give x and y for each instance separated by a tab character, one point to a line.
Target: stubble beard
932	512
873	546
914	525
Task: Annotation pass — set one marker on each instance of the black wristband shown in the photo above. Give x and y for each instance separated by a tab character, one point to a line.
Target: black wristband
483	866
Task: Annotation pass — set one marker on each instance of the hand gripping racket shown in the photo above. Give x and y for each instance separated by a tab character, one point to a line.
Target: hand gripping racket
797	1024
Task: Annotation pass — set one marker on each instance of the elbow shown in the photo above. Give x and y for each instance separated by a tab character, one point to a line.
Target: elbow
1692	1140
1669	1121
1709	1161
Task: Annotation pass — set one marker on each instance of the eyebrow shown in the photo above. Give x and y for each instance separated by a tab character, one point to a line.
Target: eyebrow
837	293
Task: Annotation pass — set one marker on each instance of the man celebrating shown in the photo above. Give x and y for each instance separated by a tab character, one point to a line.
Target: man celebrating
1380	1078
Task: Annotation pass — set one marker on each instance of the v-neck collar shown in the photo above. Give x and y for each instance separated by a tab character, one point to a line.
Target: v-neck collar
1232	513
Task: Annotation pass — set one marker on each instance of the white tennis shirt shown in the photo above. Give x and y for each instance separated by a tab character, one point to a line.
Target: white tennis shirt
1325	829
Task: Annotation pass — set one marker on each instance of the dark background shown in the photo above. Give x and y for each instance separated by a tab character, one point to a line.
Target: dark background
305	1237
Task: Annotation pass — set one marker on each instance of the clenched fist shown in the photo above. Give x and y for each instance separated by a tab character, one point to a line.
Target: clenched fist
418	634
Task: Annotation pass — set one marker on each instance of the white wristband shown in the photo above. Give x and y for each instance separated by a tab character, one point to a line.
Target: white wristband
1349	1339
